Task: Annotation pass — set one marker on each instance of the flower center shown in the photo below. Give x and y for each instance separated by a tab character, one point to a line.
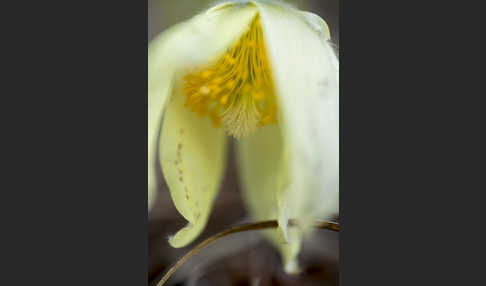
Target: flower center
236	91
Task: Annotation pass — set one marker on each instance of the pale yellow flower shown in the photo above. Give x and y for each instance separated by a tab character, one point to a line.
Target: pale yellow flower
263	73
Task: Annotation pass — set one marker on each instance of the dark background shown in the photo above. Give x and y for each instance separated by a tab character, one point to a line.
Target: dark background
244	258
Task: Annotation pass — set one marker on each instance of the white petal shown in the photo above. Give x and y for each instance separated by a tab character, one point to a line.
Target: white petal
160	73
305	71
192	154
201	39
317	24
263	171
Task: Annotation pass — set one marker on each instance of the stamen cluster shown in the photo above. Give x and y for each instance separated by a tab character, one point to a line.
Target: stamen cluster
236	91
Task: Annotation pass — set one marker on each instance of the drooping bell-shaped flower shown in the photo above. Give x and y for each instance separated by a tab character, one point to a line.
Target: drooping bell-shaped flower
263	73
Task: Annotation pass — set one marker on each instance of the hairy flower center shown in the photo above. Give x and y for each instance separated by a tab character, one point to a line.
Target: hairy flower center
236	91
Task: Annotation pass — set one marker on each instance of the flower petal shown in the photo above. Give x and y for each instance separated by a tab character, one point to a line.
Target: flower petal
317	24
305	71
192	150
160	73
192	154
263	171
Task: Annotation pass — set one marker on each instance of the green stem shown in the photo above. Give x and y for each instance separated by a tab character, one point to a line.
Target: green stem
240	228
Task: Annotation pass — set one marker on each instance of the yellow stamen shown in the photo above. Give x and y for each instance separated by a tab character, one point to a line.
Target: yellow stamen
237	91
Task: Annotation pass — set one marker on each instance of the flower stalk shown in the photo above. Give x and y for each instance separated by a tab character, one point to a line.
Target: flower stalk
241	228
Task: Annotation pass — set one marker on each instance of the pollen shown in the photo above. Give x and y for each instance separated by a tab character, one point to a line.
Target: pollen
236	91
